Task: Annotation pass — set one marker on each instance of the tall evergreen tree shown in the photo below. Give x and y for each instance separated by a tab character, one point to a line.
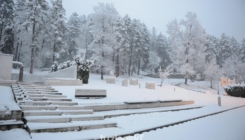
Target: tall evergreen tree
37	13
162	51
74	26
7	26
58	28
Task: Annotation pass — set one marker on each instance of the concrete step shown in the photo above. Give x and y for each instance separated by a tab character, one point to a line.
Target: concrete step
51	93
26	107
71	108
59	99
56	112
49	99
47	95
64	127
62	119
42	113
47	103
64	103
34	103
29	107
10	124
40	90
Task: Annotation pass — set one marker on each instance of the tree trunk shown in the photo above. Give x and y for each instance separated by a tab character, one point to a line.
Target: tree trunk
32	60
117	64
186	81
54	49
211	84
130	58
43	43
102	68
19	51
1	31
138	67
32	47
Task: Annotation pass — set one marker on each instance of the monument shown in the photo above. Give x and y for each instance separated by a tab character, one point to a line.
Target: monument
5	66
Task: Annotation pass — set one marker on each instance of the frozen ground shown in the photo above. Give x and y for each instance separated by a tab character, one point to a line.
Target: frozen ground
228	125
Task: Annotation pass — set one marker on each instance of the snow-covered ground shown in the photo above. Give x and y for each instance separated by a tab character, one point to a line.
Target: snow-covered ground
228	125
7	99
116	93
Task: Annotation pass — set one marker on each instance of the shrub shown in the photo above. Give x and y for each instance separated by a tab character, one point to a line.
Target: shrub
236	90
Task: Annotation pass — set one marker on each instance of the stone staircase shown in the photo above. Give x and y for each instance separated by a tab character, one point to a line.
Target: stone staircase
44	109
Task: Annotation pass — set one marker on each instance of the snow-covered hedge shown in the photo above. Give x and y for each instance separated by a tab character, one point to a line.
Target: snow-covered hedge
236	90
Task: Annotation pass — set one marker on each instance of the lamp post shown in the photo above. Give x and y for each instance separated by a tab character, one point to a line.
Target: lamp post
219	98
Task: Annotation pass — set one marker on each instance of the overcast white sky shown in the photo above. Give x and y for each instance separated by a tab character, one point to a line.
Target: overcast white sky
216	16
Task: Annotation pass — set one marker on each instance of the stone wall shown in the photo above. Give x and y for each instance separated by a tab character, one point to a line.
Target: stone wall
70	72
62	82
5	66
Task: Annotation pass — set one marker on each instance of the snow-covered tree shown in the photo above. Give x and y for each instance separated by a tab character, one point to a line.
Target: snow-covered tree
187	39
233	68
74	25
242	51
35	23
124	40
163	74
212	72
103	21
162	51
58	28
153	40
7	26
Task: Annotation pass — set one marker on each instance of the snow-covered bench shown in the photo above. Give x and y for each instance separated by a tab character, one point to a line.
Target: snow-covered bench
90	93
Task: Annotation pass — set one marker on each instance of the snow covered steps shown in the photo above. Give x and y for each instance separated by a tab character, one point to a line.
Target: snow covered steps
55	112
10	124
63	127
62	119
44	103
29	107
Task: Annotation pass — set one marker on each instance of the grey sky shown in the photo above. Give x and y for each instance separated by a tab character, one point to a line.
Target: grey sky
216	16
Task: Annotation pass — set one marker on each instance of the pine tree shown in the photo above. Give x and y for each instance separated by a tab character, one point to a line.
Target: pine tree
162	51
74	26
7	26
37	13
226	50
123	41
58	28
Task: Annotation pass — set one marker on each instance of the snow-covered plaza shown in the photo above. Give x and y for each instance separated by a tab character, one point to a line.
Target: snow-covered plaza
122	69
151	121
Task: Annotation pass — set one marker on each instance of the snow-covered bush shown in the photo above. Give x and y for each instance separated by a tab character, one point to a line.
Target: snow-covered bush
164	73
236	90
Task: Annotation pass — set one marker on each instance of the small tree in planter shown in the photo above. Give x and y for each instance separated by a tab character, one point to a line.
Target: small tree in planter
164	74
54	67
83	69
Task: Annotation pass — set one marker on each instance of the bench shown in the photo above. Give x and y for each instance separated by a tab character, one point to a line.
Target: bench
167	101
90	93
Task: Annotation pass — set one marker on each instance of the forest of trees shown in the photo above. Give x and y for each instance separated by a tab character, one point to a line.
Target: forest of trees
38	34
